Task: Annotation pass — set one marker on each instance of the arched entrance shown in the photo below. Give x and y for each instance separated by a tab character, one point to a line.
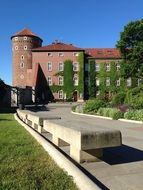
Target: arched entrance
75	96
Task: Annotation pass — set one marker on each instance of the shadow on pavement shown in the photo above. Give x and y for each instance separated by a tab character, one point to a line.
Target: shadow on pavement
122	154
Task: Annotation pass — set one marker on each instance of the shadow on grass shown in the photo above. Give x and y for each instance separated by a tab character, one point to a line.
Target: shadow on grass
122	154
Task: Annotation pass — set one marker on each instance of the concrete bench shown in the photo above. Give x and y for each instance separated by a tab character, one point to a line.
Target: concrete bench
85	144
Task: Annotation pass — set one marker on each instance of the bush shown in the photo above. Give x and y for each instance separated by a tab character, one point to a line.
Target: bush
134	115
111	112
119	98
134	98
92	106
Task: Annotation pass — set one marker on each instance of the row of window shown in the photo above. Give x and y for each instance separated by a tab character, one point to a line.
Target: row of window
24	38
61	80
61	66
118	82
25	47
107	67
61	54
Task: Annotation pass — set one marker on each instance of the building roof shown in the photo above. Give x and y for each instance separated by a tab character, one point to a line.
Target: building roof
58	46
103	53
25	32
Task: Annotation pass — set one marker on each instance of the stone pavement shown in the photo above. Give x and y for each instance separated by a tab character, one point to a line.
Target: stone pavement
121	168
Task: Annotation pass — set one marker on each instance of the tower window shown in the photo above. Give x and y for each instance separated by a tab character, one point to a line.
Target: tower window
22	76
16	38
22	57
16	47
21	65
25	47
25	38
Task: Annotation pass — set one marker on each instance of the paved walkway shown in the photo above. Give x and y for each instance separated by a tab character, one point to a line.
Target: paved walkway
121	167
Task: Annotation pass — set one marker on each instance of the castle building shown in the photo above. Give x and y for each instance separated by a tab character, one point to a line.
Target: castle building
42	67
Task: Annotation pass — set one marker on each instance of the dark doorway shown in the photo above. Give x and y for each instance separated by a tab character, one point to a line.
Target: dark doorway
75	96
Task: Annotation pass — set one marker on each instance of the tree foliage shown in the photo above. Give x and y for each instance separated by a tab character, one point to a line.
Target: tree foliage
131	48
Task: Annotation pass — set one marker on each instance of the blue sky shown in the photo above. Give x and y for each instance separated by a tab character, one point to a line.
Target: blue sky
84	23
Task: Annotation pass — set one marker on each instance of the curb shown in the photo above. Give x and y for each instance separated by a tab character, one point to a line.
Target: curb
89	115
81	180
131	121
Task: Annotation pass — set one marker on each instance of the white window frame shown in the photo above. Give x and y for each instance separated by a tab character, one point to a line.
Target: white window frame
49	79
61	54
139	82
16	47
97	92
49	66
97	81
22	65
60	94
75	54
25	37
118	82
22	77
61	66
16	38
107	81
107	67
75	66
75	80
129	81
25	47
61	80
118	66
97	67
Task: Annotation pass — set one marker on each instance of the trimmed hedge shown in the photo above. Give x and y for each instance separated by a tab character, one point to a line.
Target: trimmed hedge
134	115
92	106
111	112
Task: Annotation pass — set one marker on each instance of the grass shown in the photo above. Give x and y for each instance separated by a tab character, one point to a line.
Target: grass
24	165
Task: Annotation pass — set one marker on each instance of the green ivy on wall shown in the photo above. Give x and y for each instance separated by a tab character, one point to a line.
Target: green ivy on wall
92	79
68	74
80	87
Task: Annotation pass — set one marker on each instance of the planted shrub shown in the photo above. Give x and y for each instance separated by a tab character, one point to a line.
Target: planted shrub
134	98
111	112
134	115
119	98
92	106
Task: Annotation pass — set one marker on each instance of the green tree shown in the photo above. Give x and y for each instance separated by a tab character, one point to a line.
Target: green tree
68	79
131	48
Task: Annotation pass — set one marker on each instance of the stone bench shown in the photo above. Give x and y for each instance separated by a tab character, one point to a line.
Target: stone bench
85	144
34	121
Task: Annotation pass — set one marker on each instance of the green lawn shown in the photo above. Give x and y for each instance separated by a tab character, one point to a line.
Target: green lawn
24	165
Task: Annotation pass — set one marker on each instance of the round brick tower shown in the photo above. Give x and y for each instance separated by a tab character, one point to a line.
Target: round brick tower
22	44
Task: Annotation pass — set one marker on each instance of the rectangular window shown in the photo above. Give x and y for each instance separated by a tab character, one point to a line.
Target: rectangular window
129	82
60	81
49	66
75	66
97	67
61	66
75	79
49	81
60	94
61	54
108	81
97	82
76	54
107	66
117	66
97	93
139	82
118	82
50	54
